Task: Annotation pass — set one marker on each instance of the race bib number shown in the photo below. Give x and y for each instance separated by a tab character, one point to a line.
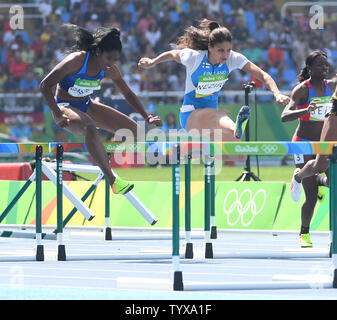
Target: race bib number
83	88
325	106
298	158
210	84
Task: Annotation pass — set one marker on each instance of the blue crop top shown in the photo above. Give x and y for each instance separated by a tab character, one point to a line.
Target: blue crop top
318	114
80	84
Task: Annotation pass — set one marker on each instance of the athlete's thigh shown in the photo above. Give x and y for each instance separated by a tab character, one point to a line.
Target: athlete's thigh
329	133
79	120
210	119
329	130
110	119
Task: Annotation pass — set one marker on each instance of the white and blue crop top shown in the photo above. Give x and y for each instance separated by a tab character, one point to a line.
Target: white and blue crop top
204	80
80	84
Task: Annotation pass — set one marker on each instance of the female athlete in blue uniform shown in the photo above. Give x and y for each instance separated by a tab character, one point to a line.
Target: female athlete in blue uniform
76	78
207	54
309	102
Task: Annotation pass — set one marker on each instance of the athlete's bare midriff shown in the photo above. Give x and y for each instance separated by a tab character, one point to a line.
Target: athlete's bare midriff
310	130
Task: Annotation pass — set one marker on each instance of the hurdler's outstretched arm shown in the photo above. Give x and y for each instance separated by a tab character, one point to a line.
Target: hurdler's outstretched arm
171	55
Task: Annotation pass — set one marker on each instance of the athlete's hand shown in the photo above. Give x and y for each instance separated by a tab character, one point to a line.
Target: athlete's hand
154	120
61	120
313	105
145	63
282	99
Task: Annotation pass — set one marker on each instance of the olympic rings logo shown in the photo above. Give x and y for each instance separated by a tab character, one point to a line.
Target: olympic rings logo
267	148
246	209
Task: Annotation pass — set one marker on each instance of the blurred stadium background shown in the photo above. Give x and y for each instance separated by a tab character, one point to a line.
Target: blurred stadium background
274	34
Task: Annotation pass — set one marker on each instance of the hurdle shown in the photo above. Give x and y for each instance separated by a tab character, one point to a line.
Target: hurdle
57	179
48	169
39	253
130	196
328	148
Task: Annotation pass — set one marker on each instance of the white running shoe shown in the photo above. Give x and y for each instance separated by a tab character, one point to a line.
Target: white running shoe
295	187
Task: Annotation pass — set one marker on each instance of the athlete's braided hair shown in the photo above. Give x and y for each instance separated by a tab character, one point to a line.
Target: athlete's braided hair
208	33
103	39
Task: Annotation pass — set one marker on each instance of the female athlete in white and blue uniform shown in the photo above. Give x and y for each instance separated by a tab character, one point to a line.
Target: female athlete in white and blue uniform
76	78
207	54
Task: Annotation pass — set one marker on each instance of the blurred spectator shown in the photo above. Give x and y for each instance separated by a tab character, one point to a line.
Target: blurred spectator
93	23
153	34
134	79
145	21
329	35
214	7
261	34
21	130
28	54
286	38
149	105
3	77
253	52
240	33
37	45
288	19
3	52
18	66
46	34
8	37
45	7
11	84
300	51
170	123
276	56
29	83
304	22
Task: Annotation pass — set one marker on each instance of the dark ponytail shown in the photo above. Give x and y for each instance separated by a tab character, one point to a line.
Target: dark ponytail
208	33
103	39
305	72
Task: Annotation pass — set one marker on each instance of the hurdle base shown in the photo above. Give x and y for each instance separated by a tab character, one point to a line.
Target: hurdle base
208	250
334	277
189	250
108	234
178	281
61	252
214	234
39	252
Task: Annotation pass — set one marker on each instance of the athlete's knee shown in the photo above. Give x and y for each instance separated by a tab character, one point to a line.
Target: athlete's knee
84	127
320	166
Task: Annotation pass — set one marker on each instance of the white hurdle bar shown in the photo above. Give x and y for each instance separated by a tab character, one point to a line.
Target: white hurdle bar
257	285
139	206
276	254
73	198
118	256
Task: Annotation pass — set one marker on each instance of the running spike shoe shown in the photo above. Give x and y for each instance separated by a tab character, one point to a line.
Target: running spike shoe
295	187
241	121
121	187
305	241
321	195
